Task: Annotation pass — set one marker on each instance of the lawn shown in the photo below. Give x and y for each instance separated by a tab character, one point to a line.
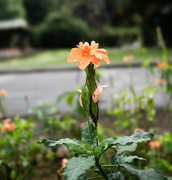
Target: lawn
59	57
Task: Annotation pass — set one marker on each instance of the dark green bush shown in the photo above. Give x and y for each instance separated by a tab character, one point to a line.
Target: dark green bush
61	31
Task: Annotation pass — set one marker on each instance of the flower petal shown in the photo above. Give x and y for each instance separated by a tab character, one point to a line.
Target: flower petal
83	62
94	45
96	61
100	88
97	92
80	100
102	50
75	55
106	58
81	45
95	96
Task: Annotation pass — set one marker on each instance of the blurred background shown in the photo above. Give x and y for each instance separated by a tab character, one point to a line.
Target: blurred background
26	24
38	86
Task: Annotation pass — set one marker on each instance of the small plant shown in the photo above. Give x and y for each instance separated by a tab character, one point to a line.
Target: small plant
52	121
87	163
3	110
17	150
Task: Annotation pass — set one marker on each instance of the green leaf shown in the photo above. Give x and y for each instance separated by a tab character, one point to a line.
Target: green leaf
13	174
62	96
83	177
85	99
71	144
137	137
115	176
94	108
62	170
123	159
131	148
86	133
77	166
104	144
150	174
69	99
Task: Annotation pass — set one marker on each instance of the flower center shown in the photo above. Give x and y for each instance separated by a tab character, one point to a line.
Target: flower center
85	54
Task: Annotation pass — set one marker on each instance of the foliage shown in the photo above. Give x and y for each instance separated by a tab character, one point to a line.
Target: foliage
89	159
130	108
32	6
18	150
158	155
62	31
52	121
11	9
120	159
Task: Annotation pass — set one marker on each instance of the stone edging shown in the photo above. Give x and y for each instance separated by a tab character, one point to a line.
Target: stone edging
71	68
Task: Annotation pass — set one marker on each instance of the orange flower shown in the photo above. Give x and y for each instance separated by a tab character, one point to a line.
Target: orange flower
128	58
97	92
162	64
85	54
160	82
138	129
0	115
154	144
3	92
80	98
83	125
131	57
125	58
8	126
64	161
101	54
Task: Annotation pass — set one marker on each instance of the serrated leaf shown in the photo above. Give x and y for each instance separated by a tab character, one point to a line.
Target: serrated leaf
150	174
77	166
115	176
113	160
126	159
137	137
131	148
86	133
71	144
104	144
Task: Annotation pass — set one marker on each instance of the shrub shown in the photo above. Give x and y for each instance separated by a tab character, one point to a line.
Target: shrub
61	31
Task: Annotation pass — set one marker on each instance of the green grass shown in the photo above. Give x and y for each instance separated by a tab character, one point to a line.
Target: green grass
59	57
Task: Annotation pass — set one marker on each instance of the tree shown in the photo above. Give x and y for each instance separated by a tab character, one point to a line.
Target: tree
11	9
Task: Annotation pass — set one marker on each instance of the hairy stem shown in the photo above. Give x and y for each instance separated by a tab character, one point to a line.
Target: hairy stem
87	114
91	85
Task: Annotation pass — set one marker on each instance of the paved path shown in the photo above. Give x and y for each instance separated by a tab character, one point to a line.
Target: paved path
46	86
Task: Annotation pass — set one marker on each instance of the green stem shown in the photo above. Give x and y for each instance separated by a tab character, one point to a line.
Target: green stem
3	105
108	165
161	41
100	177
87	114
91	85
93	107
90	171
100	168
103	152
